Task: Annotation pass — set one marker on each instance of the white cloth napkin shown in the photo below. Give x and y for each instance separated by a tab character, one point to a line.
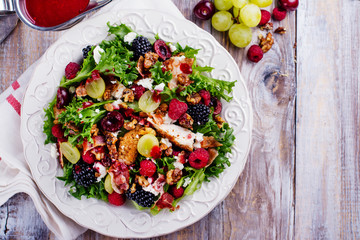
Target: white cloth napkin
15	175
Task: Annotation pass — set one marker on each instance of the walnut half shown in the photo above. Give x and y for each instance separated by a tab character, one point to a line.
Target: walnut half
266	43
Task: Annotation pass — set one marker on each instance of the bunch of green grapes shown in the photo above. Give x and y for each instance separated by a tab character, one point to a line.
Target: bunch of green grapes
245	14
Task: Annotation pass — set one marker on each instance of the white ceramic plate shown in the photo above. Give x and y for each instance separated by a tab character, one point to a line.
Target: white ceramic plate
126	221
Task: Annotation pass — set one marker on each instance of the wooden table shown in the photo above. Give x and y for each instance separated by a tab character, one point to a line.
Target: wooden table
302	177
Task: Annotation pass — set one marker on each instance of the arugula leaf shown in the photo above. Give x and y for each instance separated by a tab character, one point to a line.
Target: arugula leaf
82	118
188	51
158	75
49	122
85	72
119	30
96	190
216	87
197	177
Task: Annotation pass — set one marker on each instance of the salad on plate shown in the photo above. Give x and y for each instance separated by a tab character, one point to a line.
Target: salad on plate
138	119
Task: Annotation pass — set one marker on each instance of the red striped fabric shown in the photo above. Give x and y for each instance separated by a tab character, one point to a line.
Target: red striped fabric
14	103
15	85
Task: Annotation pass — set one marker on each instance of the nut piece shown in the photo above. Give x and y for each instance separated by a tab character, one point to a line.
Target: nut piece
81	91
94	130
280	30
266	43
267	26
130	125
193	99
142	181
169	152
219	121
128	95
162	109
184	79
186	121
109	107
147	130
150	59
173	176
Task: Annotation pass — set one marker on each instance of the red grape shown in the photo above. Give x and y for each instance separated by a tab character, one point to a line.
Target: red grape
290	5
204	9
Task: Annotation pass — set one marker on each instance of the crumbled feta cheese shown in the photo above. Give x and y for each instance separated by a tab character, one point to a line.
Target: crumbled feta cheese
72	89
166	142
199	137
53	151
146	83
168	120
130	82
97	110
118	92
96	52
100	99
178	165
150	188
80	115
181	58
130	37
117	102
172	47
113	82
160	87
100	169
187	181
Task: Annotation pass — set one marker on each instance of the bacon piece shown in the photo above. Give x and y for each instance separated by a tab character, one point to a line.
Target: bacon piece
98	141
165	201
120	175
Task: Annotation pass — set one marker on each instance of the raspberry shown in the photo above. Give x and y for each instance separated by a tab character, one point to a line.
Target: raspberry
138	91
199	158
255	54
147	168
186	68
116	199
265	17
279	14
57	131
205	95
155	152
176	109
71	70
140	46
89	157
176	192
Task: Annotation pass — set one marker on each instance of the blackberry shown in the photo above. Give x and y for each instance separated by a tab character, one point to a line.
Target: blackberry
199	113
141	197
140	46
84	174
86	51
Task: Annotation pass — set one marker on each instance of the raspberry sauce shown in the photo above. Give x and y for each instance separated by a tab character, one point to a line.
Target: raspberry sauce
50	13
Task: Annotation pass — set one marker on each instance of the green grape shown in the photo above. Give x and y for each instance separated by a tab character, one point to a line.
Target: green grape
107	185
222	21
239	3
240	35
223	4
71	153
236	13
147	103
262	3
250	15
95	88
146	143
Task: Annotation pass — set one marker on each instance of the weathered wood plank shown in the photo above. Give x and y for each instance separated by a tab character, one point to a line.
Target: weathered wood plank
261	204
327	156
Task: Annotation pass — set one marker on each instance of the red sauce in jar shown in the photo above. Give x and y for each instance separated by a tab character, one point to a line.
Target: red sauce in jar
49	13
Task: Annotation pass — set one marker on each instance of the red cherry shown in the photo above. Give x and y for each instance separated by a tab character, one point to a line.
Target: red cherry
290	5
204	10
